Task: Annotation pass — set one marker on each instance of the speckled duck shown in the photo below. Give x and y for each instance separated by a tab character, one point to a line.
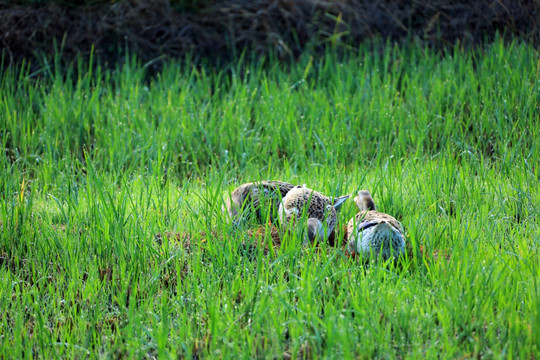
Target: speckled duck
246	199
373	232
318	208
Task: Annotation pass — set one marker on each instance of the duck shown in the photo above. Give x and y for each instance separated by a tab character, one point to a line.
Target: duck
318	208
374	232
245	200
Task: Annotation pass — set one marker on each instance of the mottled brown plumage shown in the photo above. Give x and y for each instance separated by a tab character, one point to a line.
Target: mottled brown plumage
318	208
246	199
373	216
374	231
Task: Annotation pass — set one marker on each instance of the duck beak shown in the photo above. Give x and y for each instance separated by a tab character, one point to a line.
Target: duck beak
338	202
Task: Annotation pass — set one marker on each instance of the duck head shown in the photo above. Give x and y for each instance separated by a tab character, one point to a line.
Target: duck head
315	229
364	201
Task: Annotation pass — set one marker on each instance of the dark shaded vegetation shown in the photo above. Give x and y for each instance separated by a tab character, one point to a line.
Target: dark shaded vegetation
157	30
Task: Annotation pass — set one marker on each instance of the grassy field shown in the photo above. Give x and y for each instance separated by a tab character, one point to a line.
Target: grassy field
96	163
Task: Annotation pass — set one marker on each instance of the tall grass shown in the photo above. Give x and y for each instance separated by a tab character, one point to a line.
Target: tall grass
97	163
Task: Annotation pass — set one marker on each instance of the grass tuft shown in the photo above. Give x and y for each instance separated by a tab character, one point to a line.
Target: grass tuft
111	238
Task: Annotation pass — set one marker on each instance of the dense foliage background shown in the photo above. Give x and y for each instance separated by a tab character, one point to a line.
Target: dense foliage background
159	30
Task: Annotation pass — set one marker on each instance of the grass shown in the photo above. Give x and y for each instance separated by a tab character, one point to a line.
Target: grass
98	162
